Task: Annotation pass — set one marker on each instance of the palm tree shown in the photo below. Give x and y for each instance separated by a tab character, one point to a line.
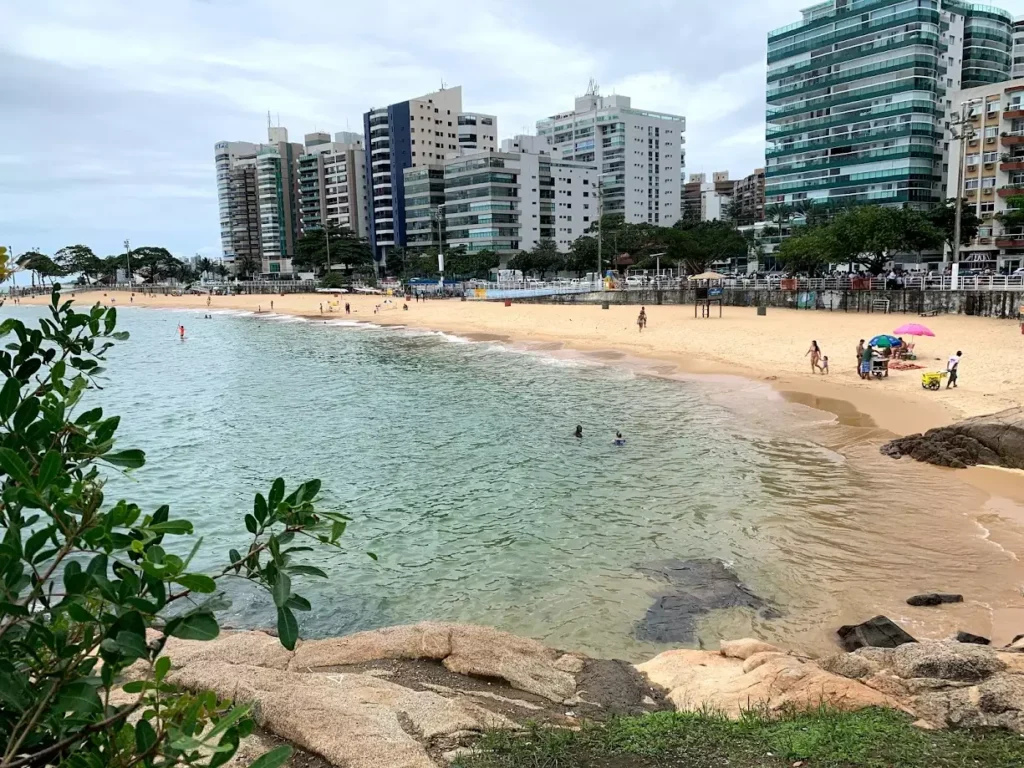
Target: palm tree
246	265
777	212
204	265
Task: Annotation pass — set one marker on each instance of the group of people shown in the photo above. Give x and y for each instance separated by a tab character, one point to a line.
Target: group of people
619	439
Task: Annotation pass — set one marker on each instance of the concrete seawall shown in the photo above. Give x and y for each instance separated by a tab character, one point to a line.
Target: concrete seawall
1000	304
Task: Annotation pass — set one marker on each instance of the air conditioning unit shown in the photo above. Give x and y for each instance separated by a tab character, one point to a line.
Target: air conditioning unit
988	190
990	140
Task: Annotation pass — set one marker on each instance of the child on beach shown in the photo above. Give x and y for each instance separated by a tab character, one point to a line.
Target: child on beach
824	365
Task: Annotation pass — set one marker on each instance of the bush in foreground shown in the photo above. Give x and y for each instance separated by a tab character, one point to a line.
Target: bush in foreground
89	588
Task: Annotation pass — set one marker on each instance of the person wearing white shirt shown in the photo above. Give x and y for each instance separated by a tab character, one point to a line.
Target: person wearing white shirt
953	367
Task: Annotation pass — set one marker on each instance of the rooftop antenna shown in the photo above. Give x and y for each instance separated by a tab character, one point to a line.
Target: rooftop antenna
593	89
443	84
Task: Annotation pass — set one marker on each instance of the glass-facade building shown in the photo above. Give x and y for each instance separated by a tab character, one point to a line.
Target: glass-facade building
857	96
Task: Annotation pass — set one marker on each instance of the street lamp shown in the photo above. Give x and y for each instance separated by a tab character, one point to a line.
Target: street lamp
435	214
128	256
966	134
327	236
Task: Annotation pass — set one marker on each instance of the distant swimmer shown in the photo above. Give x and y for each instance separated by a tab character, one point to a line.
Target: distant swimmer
181	332
619	439
579	431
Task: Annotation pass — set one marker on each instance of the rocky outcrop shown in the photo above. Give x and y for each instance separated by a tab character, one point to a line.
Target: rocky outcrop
997	439
403	697
945	683
750	674
879	632
692	589
934	598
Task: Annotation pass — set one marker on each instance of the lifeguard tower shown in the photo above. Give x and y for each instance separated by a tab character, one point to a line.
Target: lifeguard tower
709	289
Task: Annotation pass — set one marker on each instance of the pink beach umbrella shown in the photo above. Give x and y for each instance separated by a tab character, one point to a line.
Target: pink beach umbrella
912	329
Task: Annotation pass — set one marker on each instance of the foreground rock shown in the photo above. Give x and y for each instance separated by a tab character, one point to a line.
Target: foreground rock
693	588
403	697
997	439
750	674
944	682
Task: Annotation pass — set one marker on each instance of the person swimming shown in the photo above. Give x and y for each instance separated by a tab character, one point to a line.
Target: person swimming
579	431
619	439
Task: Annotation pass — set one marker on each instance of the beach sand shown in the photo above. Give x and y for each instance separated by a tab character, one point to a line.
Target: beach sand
770	348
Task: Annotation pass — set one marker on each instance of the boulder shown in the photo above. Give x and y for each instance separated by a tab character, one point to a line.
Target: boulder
693	588
996	439
699	680
946	660
934	598
879	632
744	649
967	637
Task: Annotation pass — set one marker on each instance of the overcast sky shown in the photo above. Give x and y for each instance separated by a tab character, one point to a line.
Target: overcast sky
109	109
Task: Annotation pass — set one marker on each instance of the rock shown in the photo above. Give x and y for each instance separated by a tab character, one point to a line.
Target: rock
996	439
695	587
860	664
967	637
464	649
934	598
703	679
744	649
879	632
923	724
946	660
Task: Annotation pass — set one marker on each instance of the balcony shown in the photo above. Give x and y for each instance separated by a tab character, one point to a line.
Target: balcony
1012	139
1011	190
1013	112
1010	241
1017	164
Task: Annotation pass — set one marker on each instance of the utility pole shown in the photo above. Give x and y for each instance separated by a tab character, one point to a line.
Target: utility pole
600	215
128	255
327	235
966	134
436	215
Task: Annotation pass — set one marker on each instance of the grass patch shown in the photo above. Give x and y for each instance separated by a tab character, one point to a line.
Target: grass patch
870	738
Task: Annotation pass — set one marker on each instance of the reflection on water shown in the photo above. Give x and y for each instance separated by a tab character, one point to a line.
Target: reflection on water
456	461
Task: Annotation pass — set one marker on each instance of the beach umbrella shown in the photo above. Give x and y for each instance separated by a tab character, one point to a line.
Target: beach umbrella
913	329
885	341
708	276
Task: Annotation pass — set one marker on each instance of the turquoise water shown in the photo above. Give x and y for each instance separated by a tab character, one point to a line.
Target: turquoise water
456	462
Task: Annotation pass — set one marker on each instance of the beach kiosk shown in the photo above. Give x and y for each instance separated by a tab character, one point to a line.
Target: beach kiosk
709	288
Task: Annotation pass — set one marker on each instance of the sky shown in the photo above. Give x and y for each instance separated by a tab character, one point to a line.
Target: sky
109	109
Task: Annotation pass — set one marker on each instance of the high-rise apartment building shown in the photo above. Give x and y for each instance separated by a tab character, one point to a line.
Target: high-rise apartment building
510	200
858	92
991	172
277	181
413	134
332	183
748	199
235	162
1017	65
424	200
638	153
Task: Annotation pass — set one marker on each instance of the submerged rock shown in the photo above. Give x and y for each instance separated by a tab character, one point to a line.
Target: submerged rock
967	637
879	632
934	598
695	587
996	439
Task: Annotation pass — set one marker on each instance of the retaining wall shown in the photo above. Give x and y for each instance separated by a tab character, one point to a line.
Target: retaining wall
1002	304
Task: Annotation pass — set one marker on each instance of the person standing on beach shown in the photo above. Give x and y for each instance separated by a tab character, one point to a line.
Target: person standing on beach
860	354
271	305
641	320
953	367
865	362
815	352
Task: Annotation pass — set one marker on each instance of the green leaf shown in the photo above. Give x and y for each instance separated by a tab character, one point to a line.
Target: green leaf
49	468
235	558
89	417
250	524
9	398
78	696
372	555
226	722
79	613
282	589
307	570
161	668
197	582
259	507
299	603
287	627
145	736
275	758
194	626
110	321
276	493
11	463
131	645
130	459
337	529
176	527
26	413
135	686
120	335
36	541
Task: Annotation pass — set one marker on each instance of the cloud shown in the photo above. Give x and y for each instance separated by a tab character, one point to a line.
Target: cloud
112	108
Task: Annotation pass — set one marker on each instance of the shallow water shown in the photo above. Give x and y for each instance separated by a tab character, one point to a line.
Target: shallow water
456	461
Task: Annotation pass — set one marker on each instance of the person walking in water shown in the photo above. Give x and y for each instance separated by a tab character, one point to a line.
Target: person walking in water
579	431
619	439
181	332
953	368
641	320
815	352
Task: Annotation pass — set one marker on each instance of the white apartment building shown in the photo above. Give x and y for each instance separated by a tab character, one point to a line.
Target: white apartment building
1017	66
992	170
239	233
332	183
639	154
510	200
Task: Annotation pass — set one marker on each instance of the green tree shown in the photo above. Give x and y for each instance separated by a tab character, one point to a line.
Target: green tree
943	218
108	267
222	270
154	263
808	251
582	256
346	250
462	263
545	257
522	261
1012	219
698	245
41	264
78	259
91	586
247	265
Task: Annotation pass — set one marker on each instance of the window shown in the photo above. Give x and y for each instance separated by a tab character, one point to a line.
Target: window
991	157
988	182
972	159
991	131
971	184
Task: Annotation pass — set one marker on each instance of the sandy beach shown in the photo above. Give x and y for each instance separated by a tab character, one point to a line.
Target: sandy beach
770	348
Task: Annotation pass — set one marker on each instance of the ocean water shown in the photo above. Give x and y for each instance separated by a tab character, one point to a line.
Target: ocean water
456	461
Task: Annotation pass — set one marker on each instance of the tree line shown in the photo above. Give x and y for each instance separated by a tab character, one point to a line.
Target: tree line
150	262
